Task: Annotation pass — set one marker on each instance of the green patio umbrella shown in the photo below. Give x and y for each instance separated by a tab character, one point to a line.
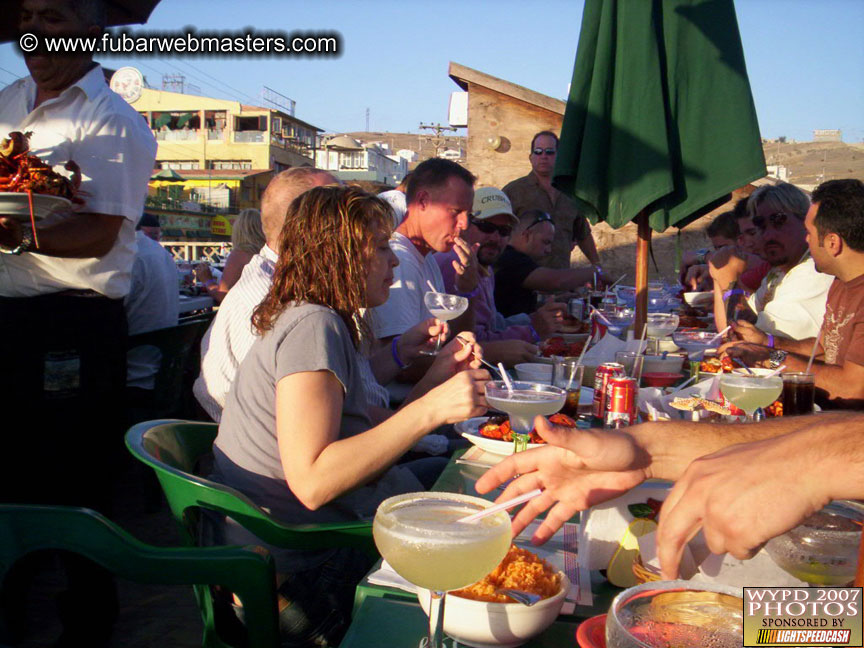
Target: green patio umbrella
660	124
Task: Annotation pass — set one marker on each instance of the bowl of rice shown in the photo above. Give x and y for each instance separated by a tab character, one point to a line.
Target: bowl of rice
478	616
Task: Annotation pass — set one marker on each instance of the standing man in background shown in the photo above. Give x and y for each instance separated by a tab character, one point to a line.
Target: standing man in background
535	191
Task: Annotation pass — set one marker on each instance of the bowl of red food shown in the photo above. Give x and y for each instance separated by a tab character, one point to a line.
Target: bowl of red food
660	378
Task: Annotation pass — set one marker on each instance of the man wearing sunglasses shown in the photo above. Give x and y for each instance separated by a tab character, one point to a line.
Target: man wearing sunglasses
518	273
511	340
835	235
535	191
791	298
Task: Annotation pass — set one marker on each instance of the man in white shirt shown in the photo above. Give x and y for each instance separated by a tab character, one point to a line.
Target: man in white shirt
231	335
440	197
791	299
152	303
62	319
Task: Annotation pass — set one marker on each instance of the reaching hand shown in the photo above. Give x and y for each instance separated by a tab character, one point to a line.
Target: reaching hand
741	497
548	318
460	354
203	273
698	278
579	468
747	332
751	354
727	264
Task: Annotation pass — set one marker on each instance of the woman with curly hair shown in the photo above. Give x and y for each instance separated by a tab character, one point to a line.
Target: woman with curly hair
296	435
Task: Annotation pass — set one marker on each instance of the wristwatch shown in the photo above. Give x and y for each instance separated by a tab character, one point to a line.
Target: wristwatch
776	357
25	245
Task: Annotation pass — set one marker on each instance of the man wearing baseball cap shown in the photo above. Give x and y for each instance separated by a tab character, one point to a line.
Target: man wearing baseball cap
489	228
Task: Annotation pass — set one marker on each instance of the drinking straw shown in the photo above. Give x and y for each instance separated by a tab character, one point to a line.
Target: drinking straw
582	355
642	339
617	281
813	352
503	506
601	316
505	377
719	335
744	366
775	372
687	382
431	287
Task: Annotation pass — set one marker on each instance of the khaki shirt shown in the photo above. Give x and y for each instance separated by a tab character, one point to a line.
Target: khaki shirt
570	227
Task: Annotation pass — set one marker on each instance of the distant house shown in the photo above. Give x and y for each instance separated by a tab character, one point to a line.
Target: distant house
502	118
350	159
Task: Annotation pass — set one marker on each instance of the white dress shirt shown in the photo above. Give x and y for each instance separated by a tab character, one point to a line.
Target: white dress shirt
92	125
231	335
152	303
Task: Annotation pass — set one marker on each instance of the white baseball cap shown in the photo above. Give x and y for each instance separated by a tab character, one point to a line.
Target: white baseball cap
489	202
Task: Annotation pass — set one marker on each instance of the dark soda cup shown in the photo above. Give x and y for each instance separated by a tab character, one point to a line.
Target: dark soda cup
799	391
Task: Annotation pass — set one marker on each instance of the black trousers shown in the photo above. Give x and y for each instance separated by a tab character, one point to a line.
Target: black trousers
61	416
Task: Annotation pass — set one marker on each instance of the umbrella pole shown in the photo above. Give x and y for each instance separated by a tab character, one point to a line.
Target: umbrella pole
643	241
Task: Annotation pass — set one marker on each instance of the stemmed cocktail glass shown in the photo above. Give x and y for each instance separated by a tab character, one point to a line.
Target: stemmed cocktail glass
522	403
749	393
660	325
421	537
444	307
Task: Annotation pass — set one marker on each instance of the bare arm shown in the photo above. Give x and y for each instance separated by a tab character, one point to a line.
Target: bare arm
78	235
319	466
589	248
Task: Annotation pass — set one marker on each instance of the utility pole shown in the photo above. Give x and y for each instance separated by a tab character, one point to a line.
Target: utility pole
437	140
367	120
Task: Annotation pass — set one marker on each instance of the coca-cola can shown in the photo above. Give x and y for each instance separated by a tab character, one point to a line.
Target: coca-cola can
604	372
621	395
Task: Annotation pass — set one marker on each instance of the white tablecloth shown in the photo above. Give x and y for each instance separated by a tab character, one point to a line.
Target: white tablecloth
189	304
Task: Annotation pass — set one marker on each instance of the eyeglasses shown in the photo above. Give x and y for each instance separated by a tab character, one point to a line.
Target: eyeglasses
541	151
504	231
777	220
543	218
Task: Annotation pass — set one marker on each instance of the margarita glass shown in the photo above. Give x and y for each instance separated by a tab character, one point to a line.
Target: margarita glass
661	325
524	402
751	392
676	613
823	549
421	537
444	307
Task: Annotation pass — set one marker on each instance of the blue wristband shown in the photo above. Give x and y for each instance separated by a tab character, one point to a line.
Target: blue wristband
534	334
734	291
770	341
395	353
470	295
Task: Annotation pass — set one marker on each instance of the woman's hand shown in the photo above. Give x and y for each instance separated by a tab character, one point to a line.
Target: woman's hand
461	397
203	274
421	337
460	354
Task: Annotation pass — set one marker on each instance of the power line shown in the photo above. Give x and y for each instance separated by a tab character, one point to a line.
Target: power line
12	74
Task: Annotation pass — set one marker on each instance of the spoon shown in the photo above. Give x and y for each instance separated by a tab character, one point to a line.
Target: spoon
525	598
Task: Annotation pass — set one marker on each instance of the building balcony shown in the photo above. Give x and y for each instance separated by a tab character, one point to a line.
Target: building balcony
250	136
176	135
215	134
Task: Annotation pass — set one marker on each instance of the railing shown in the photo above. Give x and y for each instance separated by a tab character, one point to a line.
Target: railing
180	205
249	136
185	251
215	134
177	135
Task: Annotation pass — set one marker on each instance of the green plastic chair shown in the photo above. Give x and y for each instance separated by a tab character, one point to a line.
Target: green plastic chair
245	571
174	450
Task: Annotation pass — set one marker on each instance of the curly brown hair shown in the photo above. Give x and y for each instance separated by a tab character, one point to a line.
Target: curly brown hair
325	247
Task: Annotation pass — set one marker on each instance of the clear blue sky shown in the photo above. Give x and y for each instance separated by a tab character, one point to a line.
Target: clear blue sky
805	58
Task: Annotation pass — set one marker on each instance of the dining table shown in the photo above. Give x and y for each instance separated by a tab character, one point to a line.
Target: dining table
388	612
190	303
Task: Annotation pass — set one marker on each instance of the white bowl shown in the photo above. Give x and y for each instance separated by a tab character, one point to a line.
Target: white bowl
534	372
759	371
659	364
487	625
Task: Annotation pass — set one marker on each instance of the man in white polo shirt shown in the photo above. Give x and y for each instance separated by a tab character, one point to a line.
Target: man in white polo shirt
62	319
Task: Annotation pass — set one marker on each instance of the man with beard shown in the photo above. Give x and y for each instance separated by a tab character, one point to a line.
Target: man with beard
511	340
835	234
791	298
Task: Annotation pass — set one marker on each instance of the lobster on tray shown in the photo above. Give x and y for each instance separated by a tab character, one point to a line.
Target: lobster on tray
21	171
498	427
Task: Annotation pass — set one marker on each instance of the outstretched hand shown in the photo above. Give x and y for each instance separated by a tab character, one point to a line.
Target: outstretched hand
577	469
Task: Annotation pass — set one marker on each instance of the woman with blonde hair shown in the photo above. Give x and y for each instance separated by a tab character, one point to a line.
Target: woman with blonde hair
296	435
247	239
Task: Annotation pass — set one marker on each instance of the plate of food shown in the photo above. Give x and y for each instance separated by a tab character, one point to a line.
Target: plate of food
493	433
17	205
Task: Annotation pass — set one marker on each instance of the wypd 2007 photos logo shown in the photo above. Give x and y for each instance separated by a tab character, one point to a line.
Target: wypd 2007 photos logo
802	616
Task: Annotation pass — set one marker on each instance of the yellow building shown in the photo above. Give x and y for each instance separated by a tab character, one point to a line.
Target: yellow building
197	133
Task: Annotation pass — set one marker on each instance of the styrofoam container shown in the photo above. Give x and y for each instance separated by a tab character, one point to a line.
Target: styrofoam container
534	372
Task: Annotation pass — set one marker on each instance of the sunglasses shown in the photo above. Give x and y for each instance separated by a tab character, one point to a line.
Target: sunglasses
504	231
543	218
541	151
777	220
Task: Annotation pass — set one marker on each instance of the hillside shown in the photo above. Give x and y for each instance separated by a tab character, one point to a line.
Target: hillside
807	161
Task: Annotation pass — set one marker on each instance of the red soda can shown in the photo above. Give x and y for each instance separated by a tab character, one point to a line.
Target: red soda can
604	372
621	394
